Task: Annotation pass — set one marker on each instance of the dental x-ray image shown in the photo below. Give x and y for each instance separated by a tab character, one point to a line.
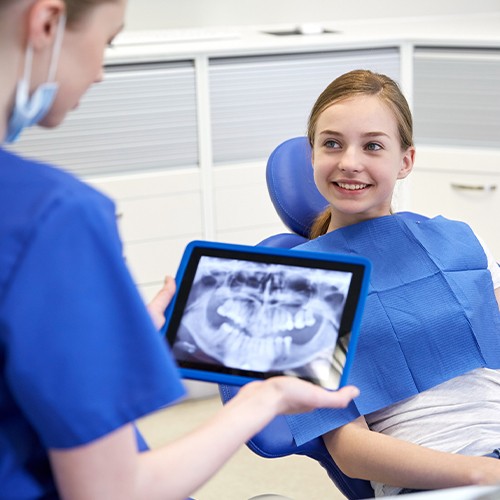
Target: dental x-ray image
263	317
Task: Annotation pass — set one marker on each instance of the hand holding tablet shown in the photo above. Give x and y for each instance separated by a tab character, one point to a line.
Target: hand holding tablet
243	313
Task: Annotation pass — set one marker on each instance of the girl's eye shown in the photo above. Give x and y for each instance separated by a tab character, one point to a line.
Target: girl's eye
331	144
372	146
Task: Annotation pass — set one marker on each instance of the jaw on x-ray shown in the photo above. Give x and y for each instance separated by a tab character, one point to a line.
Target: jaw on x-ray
262	317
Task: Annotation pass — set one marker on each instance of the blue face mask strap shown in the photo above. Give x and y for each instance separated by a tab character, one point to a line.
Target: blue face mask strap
28	63
54	59
57	48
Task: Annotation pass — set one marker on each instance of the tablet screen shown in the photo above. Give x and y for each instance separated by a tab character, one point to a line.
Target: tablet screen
254	314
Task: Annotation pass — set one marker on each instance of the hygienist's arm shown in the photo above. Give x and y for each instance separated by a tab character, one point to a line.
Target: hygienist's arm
110	468
364	454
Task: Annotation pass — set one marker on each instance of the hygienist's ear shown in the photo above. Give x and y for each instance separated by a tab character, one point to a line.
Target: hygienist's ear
43	22
407	163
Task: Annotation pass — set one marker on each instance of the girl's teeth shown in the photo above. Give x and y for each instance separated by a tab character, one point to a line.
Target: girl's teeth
352	187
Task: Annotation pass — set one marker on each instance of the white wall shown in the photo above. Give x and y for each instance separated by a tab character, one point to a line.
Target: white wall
155	14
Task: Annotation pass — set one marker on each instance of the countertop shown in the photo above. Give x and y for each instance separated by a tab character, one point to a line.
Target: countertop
471	31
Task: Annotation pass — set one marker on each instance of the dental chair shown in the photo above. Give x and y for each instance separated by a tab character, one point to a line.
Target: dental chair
296	199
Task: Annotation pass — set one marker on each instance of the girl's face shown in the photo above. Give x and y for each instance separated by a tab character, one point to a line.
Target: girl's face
82	54
357	159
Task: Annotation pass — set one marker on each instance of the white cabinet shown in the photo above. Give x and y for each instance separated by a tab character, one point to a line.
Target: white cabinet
243	210
158	214
460	184
457	129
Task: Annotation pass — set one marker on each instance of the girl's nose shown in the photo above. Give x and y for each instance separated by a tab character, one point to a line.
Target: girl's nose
349	161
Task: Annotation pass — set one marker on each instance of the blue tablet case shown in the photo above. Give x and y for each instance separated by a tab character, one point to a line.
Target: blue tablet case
243	313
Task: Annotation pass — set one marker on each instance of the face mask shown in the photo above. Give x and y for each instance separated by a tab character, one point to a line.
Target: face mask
28	110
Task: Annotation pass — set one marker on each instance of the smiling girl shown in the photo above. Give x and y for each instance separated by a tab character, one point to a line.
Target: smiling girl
428	356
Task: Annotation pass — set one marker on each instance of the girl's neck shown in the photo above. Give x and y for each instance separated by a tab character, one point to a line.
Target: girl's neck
338	222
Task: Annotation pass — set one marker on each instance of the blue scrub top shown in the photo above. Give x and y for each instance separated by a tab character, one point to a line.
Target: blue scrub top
79	354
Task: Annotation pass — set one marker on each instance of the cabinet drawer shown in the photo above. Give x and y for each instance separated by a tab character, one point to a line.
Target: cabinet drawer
247	206
241	198
470	197
151	261
159	217
251	236
155	206
158	214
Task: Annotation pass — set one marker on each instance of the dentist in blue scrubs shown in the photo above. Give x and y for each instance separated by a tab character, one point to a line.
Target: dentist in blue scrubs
80	356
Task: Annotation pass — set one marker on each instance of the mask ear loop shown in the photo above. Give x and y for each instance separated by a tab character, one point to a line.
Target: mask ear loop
54	59
57	48
28	63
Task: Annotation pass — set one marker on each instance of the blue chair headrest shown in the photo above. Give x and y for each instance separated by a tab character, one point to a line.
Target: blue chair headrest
290	182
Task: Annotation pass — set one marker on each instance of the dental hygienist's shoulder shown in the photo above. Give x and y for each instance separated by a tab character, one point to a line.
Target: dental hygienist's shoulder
31	193
29	189
25	176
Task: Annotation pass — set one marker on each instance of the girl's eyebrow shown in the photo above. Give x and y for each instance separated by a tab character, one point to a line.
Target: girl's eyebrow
376	134
365	134
330	132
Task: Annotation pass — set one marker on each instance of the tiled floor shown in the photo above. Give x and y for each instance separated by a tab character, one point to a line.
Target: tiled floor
246	474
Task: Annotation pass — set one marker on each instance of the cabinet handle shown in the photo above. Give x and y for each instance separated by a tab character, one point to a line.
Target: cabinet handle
472	187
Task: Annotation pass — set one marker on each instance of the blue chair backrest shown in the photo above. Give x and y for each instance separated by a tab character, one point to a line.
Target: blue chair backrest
297	201
291	186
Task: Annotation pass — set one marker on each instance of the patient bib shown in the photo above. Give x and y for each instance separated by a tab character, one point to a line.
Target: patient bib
430	315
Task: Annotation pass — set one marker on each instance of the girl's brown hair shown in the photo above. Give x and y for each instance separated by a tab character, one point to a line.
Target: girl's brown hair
352	84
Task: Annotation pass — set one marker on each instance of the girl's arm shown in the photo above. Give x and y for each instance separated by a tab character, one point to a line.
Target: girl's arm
364	454
111	468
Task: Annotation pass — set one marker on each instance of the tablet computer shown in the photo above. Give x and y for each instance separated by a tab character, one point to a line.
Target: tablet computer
242	313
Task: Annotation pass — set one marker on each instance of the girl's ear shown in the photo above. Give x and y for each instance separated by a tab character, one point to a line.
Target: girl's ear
43	21
407	163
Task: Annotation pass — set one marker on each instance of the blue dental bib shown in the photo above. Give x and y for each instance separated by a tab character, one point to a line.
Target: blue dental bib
431	313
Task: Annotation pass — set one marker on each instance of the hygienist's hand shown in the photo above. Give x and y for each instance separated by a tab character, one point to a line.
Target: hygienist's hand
288	395
160	302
